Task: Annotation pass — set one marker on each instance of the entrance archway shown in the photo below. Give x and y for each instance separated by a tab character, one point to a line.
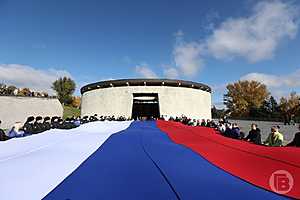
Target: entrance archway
145	105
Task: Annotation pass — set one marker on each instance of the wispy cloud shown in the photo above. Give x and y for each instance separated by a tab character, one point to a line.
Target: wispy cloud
257	36
144	71
254	38
27	76
187	57
209	20
279	85
275	81
171	73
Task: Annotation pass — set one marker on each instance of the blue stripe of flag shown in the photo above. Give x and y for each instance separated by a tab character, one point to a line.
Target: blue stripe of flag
119	169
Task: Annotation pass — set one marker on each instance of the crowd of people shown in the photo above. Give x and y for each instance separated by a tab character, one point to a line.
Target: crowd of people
232	130
35	125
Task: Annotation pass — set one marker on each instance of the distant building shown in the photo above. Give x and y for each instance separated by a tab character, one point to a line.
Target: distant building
147	98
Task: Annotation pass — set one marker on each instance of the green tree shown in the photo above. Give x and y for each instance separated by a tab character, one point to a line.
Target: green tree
217	113
269	108
64	88
273	105
244	96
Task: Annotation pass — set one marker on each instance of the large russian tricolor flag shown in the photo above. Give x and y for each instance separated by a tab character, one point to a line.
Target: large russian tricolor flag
144	160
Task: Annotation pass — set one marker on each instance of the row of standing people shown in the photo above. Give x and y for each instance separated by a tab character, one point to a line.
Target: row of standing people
36	125
275	137
232	130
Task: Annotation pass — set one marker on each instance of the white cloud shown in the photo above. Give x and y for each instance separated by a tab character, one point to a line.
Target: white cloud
171	73
145	71
179	34
187	57
219	105
255	37
275	81
219	88
279	85
26	76
210	19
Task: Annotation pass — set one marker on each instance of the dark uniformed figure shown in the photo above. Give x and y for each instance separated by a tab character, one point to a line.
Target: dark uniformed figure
296	140
93	118
46	124
60	122
85	120
38	125
254	135
66	124
28	127
54	122
3	137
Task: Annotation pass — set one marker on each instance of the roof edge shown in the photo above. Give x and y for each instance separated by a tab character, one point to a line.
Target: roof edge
145	82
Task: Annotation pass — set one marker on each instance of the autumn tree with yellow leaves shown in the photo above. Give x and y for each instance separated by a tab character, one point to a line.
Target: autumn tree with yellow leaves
243	96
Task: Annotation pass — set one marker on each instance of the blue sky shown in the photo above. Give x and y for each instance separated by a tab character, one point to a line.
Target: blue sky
213	42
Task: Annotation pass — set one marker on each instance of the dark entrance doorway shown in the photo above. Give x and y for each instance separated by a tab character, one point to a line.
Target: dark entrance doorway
145	106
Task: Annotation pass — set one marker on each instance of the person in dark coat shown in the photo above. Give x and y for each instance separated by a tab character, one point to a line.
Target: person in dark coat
46	124
60	123
85	119
54	122
3	137
296	140
235	132
203	123
28	126
38	125
68	123
208	123
228	130
93	118
254	135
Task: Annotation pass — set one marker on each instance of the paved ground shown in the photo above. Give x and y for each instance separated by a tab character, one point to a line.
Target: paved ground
288	131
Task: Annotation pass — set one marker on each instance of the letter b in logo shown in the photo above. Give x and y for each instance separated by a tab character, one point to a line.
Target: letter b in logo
281	181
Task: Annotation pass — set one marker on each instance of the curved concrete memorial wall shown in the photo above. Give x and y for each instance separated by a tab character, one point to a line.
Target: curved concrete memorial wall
17	109
172	97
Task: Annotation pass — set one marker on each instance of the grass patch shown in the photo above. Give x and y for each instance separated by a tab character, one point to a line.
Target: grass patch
70	111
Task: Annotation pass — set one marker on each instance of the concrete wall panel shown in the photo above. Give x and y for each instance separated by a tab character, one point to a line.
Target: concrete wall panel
13	109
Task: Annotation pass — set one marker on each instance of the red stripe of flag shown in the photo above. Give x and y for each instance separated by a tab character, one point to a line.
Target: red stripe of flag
252	163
